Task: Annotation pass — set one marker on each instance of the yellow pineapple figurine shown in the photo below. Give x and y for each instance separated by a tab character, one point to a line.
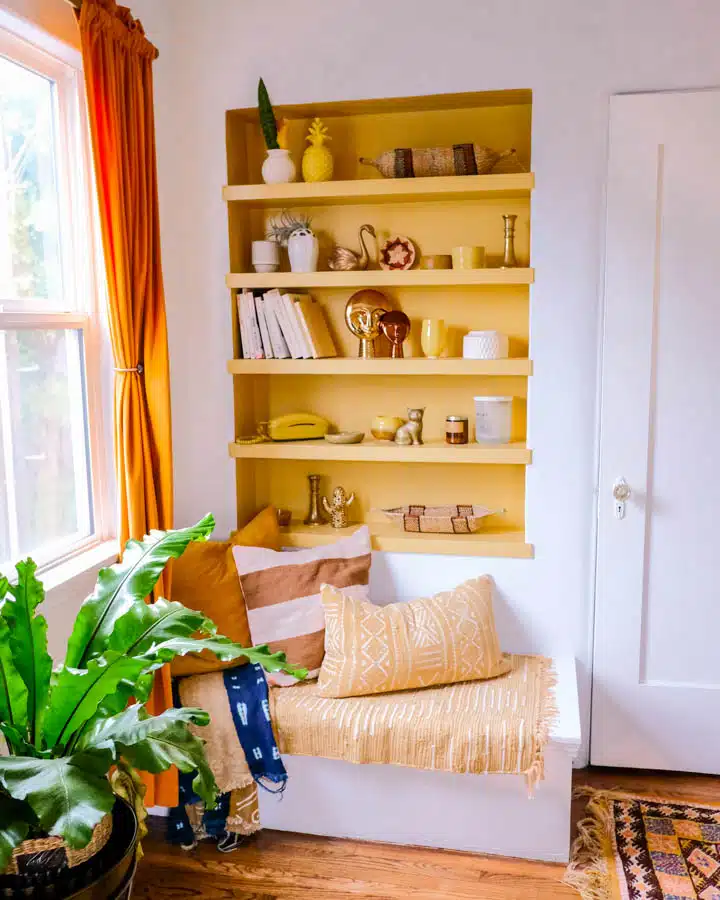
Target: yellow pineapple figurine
317	161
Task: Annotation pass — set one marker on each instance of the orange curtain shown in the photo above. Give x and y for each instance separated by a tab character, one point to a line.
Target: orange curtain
117	59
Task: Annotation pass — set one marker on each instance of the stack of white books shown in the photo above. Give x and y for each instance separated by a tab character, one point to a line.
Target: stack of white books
283	326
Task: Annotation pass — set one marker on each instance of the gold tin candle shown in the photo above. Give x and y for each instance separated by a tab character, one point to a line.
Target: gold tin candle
456	430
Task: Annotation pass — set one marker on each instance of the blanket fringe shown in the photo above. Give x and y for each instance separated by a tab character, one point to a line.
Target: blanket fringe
548	716
592	851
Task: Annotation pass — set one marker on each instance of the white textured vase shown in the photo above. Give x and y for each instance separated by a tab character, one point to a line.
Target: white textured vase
278	168
303	249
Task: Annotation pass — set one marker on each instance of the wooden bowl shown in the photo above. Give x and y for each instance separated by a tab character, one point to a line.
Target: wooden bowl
345	437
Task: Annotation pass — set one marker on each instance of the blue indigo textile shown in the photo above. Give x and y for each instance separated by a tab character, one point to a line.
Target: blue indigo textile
247	692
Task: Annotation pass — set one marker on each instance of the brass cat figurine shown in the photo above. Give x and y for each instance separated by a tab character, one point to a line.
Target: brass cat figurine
411	432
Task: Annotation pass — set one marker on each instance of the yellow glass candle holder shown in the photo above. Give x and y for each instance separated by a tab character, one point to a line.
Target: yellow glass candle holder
468	257
433	337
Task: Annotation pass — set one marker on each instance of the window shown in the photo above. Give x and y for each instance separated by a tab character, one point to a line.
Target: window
52	489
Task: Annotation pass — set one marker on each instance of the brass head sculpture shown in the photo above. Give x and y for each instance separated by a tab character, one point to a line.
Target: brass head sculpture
363	313
395	325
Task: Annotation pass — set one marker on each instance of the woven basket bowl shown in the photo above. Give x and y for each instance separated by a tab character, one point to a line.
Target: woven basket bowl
101	835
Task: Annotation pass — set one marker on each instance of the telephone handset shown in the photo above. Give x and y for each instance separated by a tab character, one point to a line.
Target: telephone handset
295	427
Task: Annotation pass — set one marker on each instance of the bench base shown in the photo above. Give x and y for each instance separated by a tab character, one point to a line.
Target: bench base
398	805
479	813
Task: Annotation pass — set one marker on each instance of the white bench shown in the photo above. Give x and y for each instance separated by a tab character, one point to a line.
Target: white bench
398	805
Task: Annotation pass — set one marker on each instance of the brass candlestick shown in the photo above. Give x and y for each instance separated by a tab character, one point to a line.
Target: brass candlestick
314	516
509	259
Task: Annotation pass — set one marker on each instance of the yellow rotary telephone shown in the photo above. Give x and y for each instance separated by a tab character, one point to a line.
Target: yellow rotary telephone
291	427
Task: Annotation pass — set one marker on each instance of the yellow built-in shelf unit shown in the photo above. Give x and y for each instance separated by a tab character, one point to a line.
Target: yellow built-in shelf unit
374	278
417	365
387	536
386	451
383	190
438	214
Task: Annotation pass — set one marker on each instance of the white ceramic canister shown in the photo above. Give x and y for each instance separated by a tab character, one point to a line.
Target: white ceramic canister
485	345
265	256
493	420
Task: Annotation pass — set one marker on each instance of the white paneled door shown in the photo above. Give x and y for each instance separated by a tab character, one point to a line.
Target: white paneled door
656	688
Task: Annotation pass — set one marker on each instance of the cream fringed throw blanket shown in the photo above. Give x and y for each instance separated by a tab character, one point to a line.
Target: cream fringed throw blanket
499	726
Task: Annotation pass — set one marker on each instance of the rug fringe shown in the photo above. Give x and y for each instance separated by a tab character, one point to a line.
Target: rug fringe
592	850
548	716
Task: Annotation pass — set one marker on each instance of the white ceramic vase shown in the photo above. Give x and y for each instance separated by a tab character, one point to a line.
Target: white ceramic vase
303	251
278	167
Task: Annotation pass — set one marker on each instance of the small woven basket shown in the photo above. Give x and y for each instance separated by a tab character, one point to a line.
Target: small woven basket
55	845
460	159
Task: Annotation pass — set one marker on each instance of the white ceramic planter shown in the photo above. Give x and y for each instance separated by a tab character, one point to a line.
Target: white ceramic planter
303	251
265	256
278	168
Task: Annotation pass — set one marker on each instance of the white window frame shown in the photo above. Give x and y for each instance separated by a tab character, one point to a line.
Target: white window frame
24	43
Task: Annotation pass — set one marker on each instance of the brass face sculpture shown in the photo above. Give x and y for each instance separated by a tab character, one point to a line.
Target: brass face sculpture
395	325
363	313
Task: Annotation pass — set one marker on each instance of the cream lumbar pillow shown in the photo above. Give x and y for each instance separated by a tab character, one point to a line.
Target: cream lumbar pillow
438	640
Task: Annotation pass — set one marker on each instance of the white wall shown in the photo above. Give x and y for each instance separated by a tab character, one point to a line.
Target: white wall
54	16
573	55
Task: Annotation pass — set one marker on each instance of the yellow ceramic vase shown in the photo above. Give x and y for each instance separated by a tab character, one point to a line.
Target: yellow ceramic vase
384	428
317	161
433	337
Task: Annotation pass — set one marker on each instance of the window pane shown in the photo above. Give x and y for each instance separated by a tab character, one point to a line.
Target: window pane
43	429
30	267
5	548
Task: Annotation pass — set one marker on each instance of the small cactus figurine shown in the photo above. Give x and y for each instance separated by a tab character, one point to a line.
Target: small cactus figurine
337	510
317	161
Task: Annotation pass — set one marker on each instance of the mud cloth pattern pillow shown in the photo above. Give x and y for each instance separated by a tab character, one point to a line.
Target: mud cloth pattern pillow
438	640
205	578
282	595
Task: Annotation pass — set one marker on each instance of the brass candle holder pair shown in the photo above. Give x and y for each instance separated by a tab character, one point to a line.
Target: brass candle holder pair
336	508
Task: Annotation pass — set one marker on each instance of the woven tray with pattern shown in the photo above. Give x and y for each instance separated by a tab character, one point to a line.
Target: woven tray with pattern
461	519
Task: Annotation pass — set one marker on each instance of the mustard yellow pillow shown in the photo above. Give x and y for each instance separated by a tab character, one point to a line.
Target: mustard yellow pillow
438	640
205	578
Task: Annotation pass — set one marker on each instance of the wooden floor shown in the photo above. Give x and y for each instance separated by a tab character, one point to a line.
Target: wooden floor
280	866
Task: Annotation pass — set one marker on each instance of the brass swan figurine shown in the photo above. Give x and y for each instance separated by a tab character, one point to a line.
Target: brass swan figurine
344	260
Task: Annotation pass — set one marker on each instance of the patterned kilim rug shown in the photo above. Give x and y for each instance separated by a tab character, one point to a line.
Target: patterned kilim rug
641	848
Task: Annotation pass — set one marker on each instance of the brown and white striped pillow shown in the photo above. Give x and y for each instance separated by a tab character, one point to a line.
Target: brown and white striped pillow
282	595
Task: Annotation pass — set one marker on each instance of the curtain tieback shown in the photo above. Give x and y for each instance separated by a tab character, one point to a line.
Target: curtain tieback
139	368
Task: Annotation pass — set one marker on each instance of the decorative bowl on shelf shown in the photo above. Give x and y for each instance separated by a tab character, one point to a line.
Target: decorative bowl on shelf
384	428
460	519
345	437
397	253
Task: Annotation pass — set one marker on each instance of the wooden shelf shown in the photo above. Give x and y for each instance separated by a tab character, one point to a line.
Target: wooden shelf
371	450
383	190
356	366
381	278
391	538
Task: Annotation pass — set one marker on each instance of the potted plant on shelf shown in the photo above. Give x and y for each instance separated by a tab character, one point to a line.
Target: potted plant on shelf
278	167
294	232
64	831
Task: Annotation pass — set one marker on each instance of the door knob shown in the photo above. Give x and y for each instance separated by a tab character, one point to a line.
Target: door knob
621	494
